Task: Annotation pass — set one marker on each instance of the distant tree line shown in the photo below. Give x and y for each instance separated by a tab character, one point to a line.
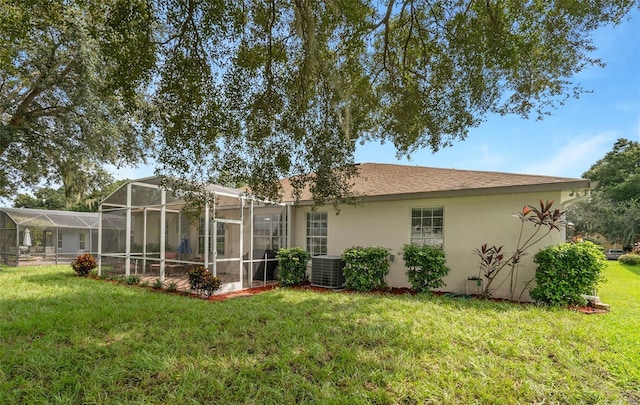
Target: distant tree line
613	209
49	198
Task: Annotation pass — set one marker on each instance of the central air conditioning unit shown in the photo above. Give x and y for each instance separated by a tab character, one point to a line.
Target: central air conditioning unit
326	271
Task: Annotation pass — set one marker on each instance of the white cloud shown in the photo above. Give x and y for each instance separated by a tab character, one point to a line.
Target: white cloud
575	157
627	106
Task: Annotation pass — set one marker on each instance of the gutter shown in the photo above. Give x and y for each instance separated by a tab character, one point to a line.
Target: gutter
578	186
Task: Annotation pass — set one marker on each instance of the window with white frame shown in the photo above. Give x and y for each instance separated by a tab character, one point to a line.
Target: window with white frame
317	233
427	226
59	240
82	241
268	231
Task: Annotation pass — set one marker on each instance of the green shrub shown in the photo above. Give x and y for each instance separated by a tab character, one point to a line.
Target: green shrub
196	277
630	259
211	284
158	284
566	271
293	265
201	280
365	268
133	279
83	264
172	287
425	266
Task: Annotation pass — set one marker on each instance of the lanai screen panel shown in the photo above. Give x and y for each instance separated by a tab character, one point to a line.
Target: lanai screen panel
33	236
159	239
8	240
114	237
266	233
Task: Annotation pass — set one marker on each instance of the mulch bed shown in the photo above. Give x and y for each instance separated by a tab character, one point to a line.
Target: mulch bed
390	290
304	286
242	293
587	310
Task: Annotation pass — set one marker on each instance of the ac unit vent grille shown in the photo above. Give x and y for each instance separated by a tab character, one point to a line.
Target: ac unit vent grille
326	271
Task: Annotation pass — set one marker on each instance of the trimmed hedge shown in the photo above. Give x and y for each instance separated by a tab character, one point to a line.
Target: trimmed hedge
293	265
630	259
425	266
365	268
566	271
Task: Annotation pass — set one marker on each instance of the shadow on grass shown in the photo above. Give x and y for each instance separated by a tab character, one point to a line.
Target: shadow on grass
632	269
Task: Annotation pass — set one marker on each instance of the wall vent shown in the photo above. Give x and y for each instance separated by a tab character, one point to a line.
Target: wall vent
326	271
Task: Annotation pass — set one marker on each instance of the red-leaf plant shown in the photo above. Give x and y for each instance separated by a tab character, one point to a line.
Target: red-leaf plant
493	260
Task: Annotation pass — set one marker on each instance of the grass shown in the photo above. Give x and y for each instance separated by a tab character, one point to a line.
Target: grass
65	339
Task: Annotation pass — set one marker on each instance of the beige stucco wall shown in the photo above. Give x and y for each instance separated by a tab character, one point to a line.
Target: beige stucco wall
468	223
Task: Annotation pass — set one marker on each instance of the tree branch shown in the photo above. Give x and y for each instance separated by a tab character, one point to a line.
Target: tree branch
385	19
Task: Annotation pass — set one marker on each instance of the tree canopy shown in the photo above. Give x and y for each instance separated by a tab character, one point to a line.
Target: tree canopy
618	172
614	207
49	198
73	76
257	90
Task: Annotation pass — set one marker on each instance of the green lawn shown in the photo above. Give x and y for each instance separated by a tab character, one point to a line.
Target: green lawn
65	339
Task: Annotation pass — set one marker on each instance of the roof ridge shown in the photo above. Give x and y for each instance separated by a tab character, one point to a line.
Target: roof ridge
465	170
392	179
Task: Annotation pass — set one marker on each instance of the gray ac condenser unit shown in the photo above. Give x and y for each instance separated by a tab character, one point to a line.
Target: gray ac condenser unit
326	271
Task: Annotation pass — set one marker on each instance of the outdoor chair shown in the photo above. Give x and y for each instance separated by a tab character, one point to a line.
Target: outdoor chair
259	265
169	268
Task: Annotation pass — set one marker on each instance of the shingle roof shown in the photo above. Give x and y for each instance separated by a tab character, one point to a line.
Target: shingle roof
392	181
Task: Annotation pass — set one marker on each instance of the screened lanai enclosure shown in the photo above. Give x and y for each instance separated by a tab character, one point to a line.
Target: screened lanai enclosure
32	237
235	236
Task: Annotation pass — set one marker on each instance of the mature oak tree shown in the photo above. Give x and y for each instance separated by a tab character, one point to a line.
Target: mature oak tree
73	75
618	173
614	207
256	90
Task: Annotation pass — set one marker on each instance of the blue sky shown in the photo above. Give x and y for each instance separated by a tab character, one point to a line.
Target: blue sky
564	144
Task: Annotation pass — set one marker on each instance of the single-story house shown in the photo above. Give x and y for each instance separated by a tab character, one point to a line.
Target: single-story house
35	236
457	210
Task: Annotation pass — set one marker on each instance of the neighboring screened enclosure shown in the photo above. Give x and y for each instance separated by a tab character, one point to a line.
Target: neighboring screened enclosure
30	236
